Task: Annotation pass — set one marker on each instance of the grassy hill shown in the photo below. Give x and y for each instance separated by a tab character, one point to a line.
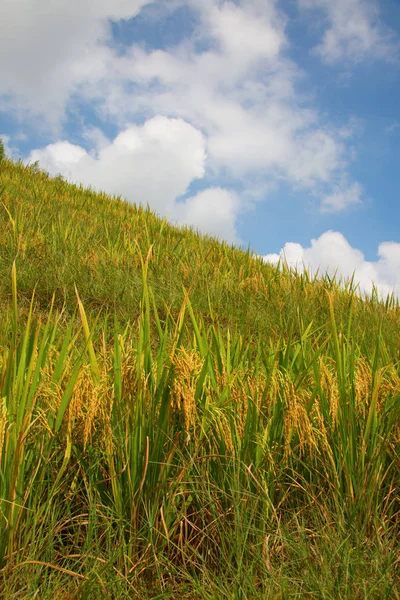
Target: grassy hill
179	419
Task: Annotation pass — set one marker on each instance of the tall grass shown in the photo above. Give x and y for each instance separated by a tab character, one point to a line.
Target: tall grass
156	443
60	236
165	462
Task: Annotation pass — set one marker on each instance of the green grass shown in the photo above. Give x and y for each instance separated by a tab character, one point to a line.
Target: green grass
179	419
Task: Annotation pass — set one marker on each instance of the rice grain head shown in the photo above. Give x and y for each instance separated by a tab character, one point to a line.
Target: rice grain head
188	365
329	384
296	419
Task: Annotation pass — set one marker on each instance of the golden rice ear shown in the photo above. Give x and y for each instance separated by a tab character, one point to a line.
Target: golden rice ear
330	388
188	366
363	385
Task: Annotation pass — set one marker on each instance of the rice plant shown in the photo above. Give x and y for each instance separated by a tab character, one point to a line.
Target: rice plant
180	420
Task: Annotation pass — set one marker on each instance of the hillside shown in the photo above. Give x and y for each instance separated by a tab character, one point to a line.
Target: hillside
61	235
179	419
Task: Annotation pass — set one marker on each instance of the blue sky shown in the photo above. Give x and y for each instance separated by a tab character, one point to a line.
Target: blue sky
269	124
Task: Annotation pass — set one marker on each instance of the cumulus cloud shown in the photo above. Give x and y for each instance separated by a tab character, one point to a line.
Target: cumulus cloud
212	211
240	91
331	253
238	88
353	32
154	163
47	51
249	32
229	79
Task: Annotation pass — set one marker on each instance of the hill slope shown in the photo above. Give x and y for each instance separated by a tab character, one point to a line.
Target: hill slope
61	235
188	422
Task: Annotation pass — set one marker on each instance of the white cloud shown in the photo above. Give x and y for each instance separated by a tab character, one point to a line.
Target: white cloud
354	31
57	158
342	197
241	92
154	163
331	253
250	32
212	211
46	51
229	80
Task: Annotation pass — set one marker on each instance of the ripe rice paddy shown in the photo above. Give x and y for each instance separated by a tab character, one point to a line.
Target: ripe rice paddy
179	419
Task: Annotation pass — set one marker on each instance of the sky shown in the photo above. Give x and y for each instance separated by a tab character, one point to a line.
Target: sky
273	125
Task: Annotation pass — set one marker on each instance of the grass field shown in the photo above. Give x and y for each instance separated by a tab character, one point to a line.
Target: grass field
179	419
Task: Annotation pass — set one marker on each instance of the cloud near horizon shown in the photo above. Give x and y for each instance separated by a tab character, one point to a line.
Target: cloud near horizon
331	253
154	164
